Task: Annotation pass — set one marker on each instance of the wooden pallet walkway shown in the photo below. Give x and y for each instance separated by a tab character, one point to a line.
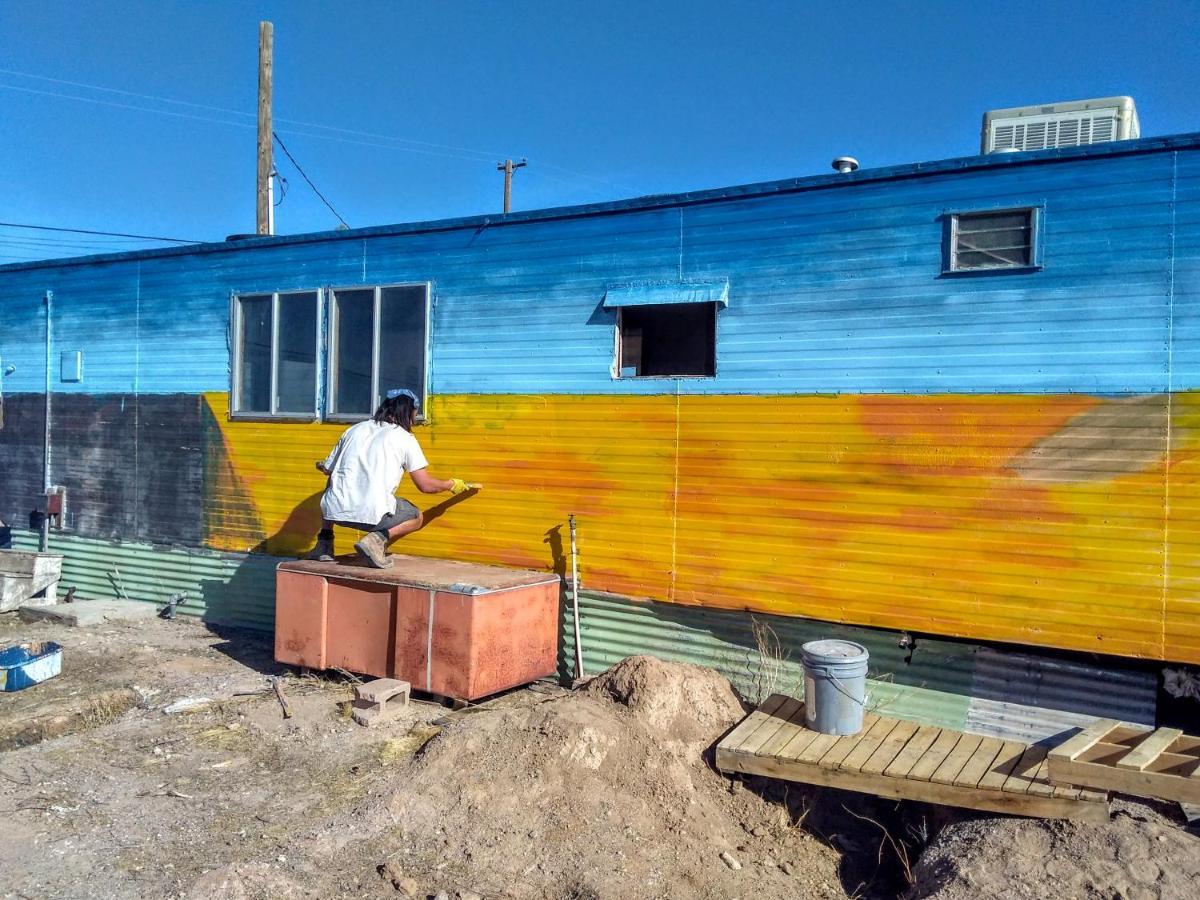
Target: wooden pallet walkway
1147	762
901	759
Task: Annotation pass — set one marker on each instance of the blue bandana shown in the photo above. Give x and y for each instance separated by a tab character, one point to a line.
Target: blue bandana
404	392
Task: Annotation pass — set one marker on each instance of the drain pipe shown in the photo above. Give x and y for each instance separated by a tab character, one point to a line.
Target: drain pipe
44	542
575	600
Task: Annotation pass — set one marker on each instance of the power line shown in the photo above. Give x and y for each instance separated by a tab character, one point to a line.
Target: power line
141	237
304	175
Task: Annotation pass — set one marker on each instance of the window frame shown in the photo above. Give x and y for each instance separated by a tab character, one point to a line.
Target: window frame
618	344
950	250
237	323
330	413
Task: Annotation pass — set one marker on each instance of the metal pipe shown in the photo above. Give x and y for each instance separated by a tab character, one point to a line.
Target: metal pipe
575	600
44	540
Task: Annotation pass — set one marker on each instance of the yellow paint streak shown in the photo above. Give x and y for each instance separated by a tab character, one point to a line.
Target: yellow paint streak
971	516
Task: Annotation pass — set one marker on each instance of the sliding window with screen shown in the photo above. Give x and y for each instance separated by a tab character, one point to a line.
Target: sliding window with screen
276	345
378	340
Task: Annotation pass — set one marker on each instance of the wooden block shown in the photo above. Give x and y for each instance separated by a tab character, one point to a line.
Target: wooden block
1095	732
1178	783
1148	750
913	751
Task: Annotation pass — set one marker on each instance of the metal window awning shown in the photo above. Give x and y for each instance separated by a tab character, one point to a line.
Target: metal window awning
668	292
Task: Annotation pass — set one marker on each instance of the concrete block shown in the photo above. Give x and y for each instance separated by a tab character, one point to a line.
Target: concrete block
379	700
23	574
90	612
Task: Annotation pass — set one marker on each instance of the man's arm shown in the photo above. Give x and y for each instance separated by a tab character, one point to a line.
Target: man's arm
427	483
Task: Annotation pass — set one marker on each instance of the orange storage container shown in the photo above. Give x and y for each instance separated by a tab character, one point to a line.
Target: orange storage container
450	628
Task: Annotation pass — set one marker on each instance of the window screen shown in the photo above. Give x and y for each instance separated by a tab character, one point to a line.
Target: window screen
1000	240
275	365
670	339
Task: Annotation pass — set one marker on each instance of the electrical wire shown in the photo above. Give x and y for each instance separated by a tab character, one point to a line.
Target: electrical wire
142	237
304	175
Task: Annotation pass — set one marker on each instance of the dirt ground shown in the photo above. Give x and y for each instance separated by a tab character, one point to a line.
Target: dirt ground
541	793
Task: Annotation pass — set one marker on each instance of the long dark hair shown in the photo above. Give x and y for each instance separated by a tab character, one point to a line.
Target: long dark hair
397	411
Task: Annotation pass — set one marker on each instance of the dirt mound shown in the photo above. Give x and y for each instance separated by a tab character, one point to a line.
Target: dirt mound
563	798
1137	854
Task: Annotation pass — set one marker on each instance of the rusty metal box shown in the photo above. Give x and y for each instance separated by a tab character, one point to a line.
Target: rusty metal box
450	628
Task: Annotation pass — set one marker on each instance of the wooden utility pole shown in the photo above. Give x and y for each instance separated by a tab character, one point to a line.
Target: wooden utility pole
266	41
508	167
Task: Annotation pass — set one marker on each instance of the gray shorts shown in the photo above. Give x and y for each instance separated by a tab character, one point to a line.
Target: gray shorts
405	512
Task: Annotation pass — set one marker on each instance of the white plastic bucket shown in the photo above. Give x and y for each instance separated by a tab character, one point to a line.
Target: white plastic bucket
835	684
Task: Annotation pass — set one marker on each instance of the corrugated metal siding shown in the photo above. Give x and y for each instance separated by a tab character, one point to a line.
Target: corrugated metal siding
931	689
224	589
1028	698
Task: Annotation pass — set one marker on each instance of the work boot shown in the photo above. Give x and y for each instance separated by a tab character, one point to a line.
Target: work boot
373	548
322	552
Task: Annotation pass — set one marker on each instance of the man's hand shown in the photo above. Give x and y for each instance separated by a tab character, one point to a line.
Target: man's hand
458	486
321	467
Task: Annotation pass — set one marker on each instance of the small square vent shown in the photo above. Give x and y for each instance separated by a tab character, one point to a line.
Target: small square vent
1060	125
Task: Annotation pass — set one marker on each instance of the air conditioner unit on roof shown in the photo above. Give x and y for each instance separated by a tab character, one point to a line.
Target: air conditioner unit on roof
1060	125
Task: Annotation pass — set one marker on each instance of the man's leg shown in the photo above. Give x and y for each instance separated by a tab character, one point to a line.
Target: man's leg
373	546
324	549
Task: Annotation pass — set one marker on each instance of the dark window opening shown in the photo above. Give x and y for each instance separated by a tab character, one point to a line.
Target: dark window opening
275	355
999	240
675	339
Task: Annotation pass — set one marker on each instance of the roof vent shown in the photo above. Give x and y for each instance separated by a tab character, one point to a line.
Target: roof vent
1069	124
845	164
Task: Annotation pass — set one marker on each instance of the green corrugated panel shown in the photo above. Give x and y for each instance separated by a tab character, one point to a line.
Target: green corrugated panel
932	689
223	588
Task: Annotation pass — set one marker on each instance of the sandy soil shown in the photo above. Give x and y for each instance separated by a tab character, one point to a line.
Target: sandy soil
540	793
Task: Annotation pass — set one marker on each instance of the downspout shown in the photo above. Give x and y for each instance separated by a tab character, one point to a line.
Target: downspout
44	542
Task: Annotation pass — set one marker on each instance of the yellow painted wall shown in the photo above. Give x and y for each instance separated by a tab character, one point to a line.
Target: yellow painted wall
1060	521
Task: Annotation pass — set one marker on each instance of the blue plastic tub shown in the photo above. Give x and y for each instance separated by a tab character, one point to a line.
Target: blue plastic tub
24	665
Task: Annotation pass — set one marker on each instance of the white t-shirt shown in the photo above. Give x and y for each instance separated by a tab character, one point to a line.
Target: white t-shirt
365	469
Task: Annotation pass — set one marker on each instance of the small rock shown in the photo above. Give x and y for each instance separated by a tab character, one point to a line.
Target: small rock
468	895
759	832
441	895
787	868
727	858
407	886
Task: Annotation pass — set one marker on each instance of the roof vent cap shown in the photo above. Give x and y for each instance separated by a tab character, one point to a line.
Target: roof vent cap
845	164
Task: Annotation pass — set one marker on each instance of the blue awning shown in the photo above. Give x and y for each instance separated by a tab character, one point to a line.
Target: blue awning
668	292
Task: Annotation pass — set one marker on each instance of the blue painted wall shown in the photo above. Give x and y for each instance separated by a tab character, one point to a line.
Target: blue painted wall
834	287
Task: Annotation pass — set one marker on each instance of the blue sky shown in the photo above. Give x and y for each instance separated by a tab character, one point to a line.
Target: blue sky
606	100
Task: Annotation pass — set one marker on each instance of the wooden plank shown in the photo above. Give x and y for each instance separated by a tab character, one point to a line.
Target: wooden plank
837	750
913	751
943	744
1162	785
890	748
1006	760
925	791
1095	732
1041	778
1148	750
962	753
767	731
1022	778
980	762
792	713
867	744
799	741
737	738
812	753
